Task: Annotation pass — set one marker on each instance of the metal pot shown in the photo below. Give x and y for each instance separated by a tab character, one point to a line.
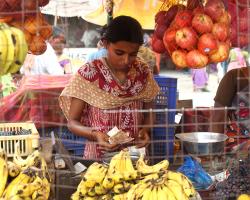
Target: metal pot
203	143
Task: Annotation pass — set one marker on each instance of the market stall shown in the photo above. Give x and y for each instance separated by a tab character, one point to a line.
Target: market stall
183	161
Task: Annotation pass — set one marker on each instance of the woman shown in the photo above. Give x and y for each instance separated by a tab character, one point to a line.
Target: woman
110	91
233	93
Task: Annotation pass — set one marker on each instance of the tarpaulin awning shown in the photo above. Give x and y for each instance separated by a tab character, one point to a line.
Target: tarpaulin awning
36	100
142	10
70	8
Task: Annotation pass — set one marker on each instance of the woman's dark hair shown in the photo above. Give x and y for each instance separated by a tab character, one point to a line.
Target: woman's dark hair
124	28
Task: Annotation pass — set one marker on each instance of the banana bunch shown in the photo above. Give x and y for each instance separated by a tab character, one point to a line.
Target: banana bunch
33	159
169	186
121	181
13	49
143	168
29	184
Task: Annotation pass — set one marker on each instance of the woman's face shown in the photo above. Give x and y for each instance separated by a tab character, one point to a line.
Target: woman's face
121	54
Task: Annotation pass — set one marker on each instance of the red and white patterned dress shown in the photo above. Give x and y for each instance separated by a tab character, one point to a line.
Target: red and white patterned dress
103	116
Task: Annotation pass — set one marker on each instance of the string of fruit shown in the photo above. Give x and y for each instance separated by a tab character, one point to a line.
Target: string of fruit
194	34
121	181
23	28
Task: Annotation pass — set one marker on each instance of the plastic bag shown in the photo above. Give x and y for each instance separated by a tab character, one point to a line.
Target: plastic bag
194	171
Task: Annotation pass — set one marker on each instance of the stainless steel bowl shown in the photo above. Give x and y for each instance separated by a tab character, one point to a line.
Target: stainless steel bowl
203	143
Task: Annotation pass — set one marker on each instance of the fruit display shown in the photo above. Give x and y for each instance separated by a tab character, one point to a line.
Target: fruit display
24	178
122	181
237	183
26	15
193	35
13	49
239	10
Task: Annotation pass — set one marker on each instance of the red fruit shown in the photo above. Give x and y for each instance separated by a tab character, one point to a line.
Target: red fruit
196	59
221	54
192	4
157	45
243	20
169	40
30	5
4	7
225	18
207	43
172	11
232	9
186	38
43	3
199	9
220	31
179	58
202	23
214	8
160	17
243	3
160	30
243	40
183	18
15	5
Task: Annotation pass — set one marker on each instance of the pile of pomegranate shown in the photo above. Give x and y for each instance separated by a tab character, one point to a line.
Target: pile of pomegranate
240	13
26	15
193	35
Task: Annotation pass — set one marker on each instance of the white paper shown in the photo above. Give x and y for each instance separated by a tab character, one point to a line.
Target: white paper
113	132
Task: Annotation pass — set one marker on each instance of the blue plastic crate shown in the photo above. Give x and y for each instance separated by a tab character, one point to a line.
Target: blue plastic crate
162	146
72	143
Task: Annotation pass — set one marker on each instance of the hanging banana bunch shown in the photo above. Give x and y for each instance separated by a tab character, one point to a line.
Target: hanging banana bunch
108	6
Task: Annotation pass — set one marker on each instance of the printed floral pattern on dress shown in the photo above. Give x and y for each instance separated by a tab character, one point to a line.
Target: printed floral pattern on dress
88	71
98	70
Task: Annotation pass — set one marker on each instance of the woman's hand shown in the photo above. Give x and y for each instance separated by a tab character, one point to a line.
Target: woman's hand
103	141
143	139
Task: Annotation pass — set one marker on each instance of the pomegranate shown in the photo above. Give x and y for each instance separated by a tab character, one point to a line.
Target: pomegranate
43	3
160	17
214	8
186	38
160	30
169	40
196	59
179	58
207	43
199	9
221	54
157	45
225	18
183	18
202	23
192	4
220	31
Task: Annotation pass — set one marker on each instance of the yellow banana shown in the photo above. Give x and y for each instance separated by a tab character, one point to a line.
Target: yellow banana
24	177
120	196
21	50
13	169
75	196
91	192
177	190
143	168
183	181
10	47
94	174
3	50
147	193
170	195
161	193
108	182
99	189
105	197
119	188
3	171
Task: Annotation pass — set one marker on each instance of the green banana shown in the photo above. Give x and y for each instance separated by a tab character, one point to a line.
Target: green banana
10	47
21	50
